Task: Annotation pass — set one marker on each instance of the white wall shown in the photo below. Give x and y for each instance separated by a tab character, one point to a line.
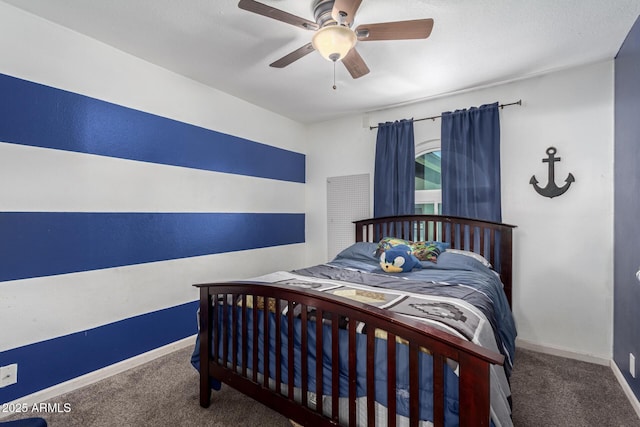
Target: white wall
52	180
563	262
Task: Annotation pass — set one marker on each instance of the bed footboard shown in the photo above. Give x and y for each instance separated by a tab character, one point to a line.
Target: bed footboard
263	339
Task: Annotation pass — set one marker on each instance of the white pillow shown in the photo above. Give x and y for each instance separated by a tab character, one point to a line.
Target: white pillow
473	255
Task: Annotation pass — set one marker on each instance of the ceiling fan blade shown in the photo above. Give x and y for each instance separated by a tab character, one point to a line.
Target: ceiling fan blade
401	30
293	56
355	64
272	12
344	11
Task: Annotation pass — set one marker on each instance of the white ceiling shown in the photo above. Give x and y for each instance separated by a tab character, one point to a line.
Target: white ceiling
474	43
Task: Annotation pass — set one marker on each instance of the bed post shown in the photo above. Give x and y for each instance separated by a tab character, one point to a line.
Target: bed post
473	391
205	346
506	261
359	236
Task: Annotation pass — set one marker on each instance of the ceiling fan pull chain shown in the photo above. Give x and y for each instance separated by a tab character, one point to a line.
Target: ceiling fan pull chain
334	76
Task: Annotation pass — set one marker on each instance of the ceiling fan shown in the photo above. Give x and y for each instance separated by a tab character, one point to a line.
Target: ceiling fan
334	38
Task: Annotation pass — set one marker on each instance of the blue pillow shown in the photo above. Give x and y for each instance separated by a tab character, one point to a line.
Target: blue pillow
359	251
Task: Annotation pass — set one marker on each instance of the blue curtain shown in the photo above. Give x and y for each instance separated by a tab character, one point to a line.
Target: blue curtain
470	145
394	180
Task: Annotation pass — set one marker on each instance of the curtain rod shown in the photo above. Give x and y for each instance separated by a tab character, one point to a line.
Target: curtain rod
518	102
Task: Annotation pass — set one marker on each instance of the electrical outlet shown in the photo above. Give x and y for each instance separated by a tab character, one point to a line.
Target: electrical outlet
8	375
632	365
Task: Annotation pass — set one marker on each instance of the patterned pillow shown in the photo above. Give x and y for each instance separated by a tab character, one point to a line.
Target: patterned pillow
388	242
424	251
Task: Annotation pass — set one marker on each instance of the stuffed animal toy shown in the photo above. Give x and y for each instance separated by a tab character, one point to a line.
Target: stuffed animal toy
399	259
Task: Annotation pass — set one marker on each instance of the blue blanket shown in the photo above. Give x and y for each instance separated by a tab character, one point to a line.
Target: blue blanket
453	275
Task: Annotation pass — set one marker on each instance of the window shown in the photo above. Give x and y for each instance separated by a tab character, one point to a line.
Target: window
428	187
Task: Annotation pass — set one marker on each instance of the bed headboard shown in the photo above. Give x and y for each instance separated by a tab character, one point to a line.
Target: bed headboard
492	240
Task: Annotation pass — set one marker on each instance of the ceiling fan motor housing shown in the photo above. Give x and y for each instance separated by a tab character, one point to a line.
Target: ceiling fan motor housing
322	12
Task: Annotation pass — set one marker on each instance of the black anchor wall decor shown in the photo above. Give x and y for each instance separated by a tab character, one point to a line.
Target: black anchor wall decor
551	189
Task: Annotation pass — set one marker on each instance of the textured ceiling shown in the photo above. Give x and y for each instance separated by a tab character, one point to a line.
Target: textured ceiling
474	43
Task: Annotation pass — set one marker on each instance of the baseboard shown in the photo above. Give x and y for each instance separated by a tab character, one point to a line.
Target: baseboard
561	352
101	374
625	386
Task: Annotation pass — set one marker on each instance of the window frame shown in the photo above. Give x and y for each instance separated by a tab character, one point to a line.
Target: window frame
423	197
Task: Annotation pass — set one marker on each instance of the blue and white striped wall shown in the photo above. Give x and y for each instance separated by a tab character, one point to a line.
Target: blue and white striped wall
108	215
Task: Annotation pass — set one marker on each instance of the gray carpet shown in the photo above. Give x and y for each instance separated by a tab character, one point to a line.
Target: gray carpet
547	391
554	391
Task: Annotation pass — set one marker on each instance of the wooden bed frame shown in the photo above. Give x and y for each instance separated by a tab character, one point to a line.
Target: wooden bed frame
492	240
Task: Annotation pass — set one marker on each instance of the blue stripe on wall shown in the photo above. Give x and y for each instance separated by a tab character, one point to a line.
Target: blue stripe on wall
54	361
34	244
42	116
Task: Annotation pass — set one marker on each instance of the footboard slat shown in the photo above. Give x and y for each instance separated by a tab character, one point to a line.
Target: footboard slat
414	395
254	339
391	379
438	389
335	368
234	334
352	373
305	359
245	335
371	385
265	342
216	332
278	353
319	361
290	351
225	327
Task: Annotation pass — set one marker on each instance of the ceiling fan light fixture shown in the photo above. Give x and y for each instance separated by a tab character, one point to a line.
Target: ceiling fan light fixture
334	42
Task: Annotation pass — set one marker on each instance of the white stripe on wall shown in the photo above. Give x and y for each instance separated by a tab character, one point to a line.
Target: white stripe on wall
52	306
49	180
